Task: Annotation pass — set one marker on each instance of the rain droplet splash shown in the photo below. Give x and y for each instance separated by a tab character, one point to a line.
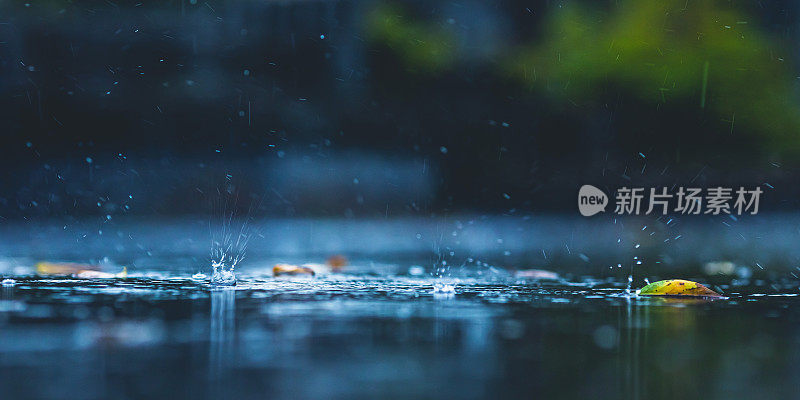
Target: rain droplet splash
222	275
229	240
630	282
440	287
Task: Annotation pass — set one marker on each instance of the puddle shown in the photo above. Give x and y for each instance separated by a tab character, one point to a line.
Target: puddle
379	330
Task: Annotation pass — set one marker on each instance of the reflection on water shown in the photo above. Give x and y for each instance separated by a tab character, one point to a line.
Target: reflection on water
223	305
6	292
633	338
381	335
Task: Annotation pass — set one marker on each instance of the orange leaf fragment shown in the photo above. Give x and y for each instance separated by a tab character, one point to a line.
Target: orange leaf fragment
291	270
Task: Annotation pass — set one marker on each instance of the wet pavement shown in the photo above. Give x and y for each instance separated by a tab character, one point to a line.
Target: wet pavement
367	335
423	309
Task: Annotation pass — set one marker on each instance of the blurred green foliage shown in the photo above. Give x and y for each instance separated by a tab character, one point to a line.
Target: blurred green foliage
704	55
422	46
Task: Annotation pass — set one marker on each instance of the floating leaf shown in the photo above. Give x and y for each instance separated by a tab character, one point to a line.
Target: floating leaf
49	268
84	271
92	274
291	270
677	287
337	262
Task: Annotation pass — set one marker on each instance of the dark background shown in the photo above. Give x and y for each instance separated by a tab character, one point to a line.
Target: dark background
428	142
323	108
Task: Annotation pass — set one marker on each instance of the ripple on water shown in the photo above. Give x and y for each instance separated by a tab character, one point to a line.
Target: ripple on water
369	288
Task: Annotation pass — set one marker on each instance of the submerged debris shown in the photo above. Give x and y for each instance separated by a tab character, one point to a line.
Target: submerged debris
292	270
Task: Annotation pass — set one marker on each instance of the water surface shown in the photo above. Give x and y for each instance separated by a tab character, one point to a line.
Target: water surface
380	332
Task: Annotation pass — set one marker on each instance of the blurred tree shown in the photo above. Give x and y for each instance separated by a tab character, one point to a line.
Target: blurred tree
702	54
703	58
423	47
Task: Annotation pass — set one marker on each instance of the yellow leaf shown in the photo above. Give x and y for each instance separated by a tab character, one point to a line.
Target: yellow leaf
80	270
677	287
